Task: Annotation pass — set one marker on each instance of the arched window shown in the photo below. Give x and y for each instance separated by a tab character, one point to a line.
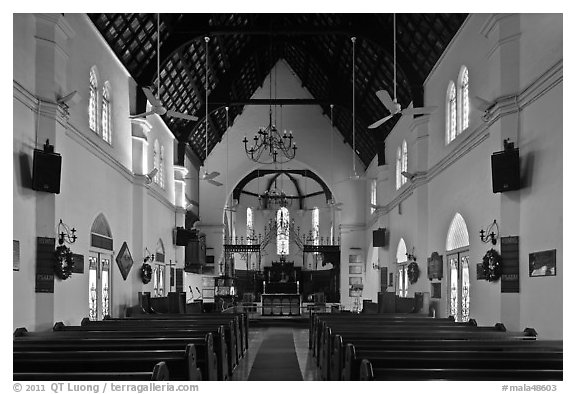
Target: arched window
283	231
99	258
92	101
161	168
316	226
156	155
106	114
249	225
464	100
457	245
401	261
404	160
398	168
450	113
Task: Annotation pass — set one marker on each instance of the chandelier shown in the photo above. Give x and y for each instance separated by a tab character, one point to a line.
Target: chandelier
270	145
274	199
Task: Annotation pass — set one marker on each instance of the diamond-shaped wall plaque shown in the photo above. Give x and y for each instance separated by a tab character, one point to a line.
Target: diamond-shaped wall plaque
124	260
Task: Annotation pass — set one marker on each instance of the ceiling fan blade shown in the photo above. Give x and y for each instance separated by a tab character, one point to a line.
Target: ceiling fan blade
419	110
216	183
151	98
142	115
380	122
387	101
180	115
212	175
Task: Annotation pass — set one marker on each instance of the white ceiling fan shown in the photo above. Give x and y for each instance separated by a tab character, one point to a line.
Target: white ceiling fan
392	105
157	107
208	177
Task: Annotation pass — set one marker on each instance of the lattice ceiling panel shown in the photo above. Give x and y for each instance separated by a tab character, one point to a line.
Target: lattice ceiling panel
244	46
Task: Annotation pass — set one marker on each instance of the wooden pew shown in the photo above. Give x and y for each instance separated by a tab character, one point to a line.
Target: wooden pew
471	357
220	345
211	366
159	373
367	372
180	363
230	330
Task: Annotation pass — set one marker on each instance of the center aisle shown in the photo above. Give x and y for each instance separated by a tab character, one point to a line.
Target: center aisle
276	359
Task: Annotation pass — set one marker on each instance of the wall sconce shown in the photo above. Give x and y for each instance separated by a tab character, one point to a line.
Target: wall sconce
411	256
66	235
376	266
149	256
489	235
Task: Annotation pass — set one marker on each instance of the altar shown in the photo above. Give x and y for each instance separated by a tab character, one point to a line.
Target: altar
281	296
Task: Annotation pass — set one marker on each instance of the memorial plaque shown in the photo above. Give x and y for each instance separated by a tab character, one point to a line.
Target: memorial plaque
45	264
510	280
78	263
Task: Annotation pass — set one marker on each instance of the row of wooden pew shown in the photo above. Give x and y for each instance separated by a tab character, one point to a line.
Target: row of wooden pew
416	347
145	347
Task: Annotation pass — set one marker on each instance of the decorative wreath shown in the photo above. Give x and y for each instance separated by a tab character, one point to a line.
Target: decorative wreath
413	272
64	263
492	265
146	272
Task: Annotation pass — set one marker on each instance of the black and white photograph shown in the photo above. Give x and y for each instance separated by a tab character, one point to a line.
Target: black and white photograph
203	196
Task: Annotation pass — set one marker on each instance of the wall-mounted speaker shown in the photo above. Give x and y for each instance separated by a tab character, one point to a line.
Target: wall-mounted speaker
506	171
46	171
379	237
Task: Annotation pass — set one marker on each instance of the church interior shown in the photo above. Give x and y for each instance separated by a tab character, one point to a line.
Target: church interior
287	197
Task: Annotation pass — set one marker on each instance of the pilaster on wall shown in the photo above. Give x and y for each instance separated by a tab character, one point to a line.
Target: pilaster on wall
52	46
504	33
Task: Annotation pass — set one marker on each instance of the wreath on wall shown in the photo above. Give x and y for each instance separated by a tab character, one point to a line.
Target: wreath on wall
413	272
146	272
64	263
492	265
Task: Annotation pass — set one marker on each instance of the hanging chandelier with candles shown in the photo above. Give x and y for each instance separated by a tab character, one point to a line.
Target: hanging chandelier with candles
270	145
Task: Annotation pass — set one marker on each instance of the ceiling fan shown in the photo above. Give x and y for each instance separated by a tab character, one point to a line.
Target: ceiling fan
157	107
392	105
208	177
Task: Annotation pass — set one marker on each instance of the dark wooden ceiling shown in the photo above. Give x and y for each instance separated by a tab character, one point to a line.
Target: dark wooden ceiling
244	47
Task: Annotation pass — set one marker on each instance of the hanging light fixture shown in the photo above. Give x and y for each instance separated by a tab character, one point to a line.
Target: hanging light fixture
270	146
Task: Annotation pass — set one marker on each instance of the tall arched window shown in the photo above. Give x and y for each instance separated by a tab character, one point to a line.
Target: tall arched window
283	231
404	160
457	251
106	114
401	261
156	155
316	226
450	113
464	100
398	168
99	258
249	225
161	168
92	101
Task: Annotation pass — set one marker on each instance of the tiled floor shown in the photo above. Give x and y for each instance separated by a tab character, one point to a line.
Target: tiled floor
255	338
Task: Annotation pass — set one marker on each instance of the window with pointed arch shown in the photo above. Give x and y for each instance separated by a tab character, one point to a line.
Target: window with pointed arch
402	264
161	167
316	226
156	155
283	231
249	225
401	164
373	187
92	101
463	99
106	114
451	126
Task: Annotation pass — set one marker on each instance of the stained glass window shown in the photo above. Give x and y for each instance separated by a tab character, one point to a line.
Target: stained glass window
404	160
106	132
249	225
161	168
451	113
464	99
453	262
92	288
316	226
156	155
283	231
105	287
373	187
92	100
398	168
465	287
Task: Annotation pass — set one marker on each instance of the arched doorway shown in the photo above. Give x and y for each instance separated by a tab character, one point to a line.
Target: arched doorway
458	257
99	258
402	264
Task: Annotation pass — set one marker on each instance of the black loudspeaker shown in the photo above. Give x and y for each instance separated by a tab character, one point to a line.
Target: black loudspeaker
379	237
505	171
46	171
183	236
